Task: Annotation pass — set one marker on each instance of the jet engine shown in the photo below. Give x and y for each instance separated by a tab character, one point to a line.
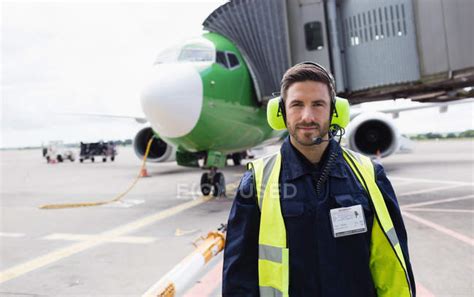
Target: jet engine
160	151
372	134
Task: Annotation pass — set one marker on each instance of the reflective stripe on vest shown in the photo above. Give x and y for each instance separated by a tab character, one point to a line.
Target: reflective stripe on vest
387	263
273	258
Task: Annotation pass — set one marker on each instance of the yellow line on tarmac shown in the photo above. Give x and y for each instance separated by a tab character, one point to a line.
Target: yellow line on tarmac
88	237
62	253
153	290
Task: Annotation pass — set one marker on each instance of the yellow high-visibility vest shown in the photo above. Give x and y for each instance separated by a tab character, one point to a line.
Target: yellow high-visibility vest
387	263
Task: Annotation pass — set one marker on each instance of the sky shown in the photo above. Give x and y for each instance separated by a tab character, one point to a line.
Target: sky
83	57
93	57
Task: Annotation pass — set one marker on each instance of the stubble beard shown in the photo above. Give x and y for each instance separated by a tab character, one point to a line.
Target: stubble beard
306	138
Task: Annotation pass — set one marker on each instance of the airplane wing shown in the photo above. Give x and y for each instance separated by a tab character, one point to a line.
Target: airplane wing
403	105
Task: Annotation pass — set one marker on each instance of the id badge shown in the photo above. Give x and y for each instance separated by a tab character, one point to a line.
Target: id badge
348	220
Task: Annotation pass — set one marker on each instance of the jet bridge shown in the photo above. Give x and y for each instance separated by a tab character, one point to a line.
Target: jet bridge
376	50
260	31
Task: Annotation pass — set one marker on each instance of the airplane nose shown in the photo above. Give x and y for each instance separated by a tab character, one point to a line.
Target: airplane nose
172	99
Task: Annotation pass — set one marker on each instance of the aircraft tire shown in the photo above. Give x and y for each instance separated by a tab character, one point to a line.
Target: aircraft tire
205	185
218	183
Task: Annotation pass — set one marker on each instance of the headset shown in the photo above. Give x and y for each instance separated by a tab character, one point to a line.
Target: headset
339	111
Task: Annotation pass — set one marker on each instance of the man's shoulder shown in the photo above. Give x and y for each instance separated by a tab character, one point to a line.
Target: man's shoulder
378	167
246	190
247	179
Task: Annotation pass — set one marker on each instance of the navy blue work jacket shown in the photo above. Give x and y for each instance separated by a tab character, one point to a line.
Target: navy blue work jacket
320	265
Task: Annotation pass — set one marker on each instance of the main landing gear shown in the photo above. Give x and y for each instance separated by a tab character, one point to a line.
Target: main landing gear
213	181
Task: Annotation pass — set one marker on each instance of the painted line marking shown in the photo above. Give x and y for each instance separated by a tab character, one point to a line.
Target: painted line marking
448	210
7	234
421	180
439	228
124	203
452	199
428	190
73	249
206	285
192	194
100	238
403	183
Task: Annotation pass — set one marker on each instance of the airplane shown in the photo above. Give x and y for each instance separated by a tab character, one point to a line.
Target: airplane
202	109
201	105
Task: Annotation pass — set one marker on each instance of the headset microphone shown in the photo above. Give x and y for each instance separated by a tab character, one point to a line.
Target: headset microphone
319	140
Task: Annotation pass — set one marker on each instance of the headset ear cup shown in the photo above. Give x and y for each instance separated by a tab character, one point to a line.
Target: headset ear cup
341	113
276	114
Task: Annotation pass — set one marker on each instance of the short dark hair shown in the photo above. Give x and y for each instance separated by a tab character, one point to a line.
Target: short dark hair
304	72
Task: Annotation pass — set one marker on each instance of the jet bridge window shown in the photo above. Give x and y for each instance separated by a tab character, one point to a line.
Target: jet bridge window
313	33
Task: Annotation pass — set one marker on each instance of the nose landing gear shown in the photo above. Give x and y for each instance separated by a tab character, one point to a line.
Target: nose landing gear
214	181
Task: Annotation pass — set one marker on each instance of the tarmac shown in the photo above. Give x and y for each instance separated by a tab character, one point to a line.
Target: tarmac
124	248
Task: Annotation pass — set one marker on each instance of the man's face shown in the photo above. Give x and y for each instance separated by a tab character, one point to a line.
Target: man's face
307	106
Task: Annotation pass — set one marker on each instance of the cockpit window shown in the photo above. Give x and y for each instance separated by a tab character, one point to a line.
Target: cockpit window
228	60
221	59
196	54
233	61
196	50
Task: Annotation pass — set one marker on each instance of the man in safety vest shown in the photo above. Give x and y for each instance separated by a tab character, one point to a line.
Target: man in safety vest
315	219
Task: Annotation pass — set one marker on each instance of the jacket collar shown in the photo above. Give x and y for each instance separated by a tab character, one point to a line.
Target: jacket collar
296	164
